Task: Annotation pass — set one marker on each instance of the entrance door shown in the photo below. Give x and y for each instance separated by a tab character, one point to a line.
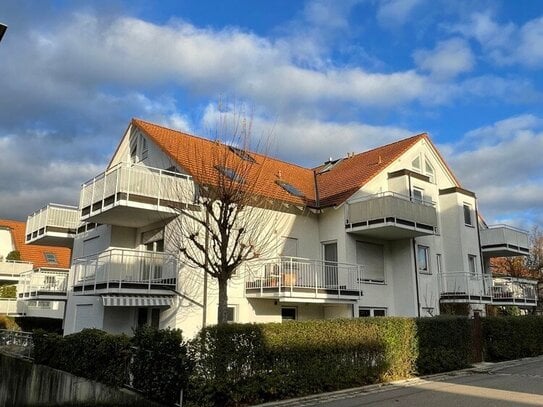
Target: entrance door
330	265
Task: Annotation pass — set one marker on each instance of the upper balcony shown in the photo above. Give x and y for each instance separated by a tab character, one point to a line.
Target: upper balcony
293	278
504	241
462	286
135	196
43	285
11	270
514	291
8	306
125	271
391	216
53	225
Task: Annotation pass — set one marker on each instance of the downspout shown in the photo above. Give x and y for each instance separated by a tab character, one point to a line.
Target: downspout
317	198
481	250
414	251
206	265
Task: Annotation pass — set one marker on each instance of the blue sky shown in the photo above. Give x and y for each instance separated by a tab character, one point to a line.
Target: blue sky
325	77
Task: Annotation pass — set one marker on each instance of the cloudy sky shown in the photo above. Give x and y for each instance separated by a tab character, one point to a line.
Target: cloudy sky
326	77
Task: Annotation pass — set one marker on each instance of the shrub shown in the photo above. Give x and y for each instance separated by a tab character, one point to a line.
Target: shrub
8	291
511	337
8	323
14	255
251	363
444	344
161	365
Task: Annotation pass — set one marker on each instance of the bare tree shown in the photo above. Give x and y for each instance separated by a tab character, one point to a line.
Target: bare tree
231	226
535	258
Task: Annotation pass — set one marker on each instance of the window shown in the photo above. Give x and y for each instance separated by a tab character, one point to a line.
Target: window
418	194
467	215
291	189
330	264
422	259
244	155
438	261
50	258
134	152
429	170
472	264
290	247
144	148
372	312
230	173
328	165
231	314
288	313
416	163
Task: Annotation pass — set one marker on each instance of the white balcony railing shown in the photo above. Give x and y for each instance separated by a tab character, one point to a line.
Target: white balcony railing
8	306
12	269
461	284
137	183
504	240
33	284
122	269
52	218
512	289
292	274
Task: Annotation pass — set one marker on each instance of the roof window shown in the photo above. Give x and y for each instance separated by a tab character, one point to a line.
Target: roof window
244	155
291	189
328	165
50	258
230	173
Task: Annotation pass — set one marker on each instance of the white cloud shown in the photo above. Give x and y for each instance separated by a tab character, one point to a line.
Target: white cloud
448	59
391	13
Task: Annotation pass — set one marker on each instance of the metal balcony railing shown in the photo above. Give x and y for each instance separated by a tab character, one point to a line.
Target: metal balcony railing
8	306
60	220
136	183
33	284
292	274
512	289
12	269
462	284
119	269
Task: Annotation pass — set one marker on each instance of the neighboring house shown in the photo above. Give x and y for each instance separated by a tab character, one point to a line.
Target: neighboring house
40	276
386	232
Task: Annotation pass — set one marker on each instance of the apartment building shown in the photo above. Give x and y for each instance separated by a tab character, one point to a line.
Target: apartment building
389	231
38	280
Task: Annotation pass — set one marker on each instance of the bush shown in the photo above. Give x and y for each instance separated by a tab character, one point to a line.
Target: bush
161	365
8	323
14	255
8	291
512	337
251	363
444	344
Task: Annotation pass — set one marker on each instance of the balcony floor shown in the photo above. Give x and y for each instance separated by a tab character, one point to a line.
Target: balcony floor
388	229
319	295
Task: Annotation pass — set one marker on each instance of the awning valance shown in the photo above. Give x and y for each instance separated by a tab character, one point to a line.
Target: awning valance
137	300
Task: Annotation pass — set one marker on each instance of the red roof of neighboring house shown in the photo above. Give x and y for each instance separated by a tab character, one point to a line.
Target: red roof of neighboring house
199	158
35	253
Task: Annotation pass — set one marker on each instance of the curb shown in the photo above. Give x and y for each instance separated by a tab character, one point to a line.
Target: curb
478	368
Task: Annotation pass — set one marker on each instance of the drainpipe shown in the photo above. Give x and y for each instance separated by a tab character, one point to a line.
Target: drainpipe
416	274
206	265
481	250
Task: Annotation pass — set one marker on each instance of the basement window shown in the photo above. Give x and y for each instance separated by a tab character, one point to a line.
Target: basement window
291	189
230	174
50	258
244	155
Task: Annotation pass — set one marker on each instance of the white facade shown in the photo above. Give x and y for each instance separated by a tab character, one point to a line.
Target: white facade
407	242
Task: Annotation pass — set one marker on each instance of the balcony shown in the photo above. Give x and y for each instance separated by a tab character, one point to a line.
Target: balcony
504	241
135	195
461	286
8	306
11	270
391	216
292	278
514	291
53	225
125	271
43	285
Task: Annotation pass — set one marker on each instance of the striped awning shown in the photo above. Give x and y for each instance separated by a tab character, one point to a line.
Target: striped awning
137	300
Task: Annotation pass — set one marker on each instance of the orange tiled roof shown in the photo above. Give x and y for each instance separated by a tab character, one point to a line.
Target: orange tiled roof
35	253
195	155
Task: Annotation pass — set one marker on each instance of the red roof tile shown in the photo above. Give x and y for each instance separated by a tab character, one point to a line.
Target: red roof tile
35	253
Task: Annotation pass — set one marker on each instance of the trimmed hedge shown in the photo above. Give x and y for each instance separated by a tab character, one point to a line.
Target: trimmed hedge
252	363
511	337
445	344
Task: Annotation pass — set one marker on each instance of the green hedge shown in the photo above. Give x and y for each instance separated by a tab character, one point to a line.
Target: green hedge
251	363
512	337
445	344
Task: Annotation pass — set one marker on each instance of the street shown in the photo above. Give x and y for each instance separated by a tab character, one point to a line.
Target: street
510	384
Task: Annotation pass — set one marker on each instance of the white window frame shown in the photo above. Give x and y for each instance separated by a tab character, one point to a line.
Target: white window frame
472	259
421	191
464	206
428	269
372	311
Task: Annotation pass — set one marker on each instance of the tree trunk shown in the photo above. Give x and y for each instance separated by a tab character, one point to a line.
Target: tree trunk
223	301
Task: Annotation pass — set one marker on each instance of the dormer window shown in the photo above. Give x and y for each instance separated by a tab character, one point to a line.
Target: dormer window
244	155
230	174
291	189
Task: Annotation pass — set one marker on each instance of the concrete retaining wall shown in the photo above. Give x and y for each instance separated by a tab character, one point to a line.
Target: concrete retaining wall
23	383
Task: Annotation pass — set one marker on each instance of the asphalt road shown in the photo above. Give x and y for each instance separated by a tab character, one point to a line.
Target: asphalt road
516	384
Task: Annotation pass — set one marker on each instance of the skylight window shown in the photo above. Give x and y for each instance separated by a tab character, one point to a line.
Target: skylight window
50	258
291	189
329	165
244	155
230	173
